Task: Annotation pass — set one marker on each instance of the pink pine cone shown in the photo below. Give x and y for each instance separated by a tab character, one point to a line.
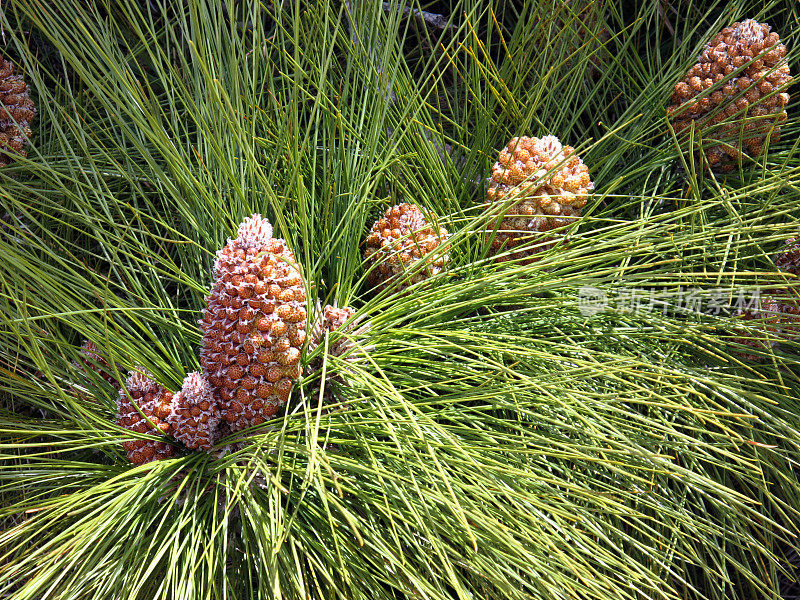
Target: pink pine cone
195	414
154	402
254	326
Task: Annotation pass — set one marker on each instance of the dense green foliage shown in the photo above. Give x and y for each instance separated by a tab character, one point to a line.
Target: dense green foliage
495	441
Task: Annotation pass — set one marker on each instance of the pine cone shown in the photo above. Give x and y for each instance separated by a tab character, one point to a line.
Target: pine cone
755	93
397	242
330	320
789	258
333	319
767	314
154	401
779	313
90	359
589	33
16	113
195	414
254	325
549	185
789	313
789	299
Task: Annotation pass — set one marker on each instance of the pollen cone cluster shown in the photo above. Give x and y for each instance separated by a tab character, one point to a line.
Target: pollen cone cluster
90	359
584	20
154	402
789	257
737	85
330	320
333	319
254	326
547	185
16	113
396	244
194	413
779	315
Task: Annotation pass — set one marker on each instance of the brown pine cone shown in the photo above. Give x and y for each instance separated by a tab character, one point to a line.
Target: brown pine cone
547	184
398	246
767	316
779	316
254	326
16	113
333	319
154	402
741	111
789	257
90	359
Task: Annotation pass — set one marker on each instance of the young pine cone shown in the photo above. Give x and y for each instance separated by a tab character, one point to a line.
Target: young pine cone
195	414
254	326
547	184
582	31
779	316
398	247
154	402
90	359
333	319
789	258
16	113
329	321
767	315
744	108
789	299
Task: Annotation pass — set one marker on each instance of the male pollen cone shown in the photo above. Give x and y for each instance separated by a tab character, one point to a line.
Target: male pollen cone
16	113
548	185
254	326
736	87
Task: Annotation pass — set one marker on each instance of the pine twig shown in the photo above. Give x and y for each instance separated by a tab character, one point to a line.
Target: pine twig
432	19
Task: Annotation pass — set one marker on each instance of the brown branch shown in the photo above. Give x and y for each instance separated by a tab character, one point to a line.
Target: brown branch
432	19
